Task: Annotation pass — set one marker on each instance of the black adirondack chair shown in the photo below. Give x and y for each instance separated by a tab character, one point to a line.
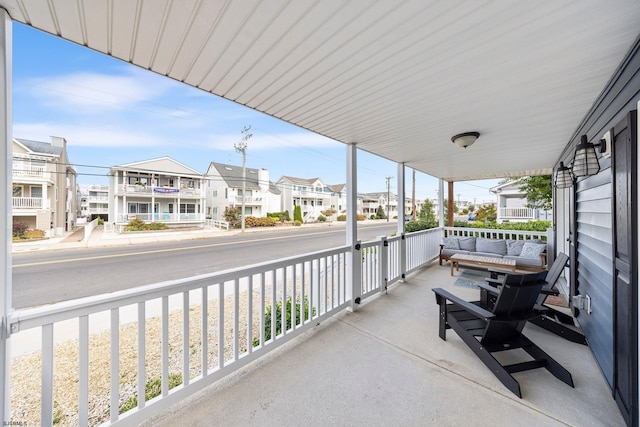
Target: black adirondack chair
552	320
487	332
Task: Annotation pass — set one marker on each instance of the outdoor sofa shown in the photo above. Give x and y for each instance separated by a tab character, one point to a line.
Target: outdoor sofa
529	254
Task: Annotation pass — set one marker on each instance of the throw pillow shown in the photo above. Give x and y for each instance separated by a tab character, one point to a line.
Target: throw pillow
532	250
514	247
468	244
451	243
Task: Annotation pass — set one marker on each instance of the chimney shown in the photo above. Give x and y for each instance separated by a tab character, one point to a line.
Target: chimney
263	179
57	141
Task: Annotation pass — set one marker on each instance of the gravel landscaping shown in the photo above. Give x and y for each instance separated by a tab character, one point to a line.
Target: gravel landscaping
26	370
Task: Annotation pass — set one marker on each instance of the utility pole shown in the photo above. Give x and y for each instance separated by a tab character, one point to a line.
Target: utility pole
388	194
241	147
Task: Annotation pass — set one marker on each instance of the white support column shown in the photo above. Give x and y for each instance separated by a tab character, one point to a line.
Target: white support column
6	151
441	203
401	198
354	262
401	223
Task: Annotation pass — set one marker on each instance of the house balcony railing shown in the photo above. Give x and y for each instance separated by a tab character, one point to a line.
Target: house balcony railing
98	188
211	304
29	203
30	172
159	191
249	199
516	213
97	210
98	199
162	217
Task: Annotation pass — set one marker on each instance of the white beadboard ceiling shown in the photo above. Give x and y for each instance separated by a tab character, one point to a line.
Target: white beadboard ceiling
398	78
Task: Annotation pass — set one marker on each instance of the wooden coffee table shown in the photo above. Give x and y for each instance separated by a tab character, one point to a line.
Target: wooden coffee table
482	261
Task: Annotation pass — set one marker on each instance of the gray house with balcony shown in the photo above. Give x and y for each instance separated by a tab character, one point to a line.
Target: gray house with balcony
156	190
224	188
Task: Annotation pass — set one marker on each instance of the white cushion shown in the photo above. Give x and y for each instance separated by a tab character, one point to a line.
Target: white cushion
451	243
532	250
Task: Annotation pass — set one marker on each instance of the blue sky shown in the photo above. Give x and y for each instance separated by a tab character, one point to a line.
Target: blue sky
112	113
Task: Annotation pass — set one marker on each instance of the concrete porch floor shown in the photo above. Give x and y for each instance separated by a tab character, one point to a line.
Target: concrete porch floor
386	365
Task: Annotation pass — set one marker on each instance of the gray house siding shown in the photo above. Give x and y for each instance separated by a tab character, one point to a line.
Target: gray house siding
593	265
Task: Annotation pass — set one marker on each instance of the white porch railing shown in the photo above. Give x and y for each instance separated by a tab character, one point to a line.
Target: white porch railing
516	213
27	202
228	311
497	233
217	223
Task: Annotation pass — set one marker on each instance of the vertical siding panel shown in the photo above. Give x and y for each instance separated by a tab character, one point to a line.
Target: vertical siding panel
594	267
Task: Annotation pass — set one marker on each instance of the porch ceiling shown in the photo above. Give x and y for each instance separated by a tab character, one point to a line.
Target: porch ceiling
397	78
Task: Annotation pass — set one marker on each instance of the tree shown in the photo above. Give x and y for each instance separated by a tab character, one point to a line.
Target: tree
486	213
538	190
380	213
446	208
297	213
426	211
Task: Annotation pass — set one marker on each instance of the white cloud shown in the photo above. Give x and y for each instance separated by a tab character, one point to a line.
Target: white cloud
97	90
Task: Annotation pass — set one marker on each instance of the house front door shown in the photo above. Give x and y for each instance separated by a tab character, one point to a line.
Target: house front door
625	295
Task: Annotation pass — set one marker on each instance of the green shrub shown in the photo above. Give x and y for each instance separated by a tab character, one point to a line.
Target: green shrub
297	213
232	216
279	216
252	221
100	221
322	218
341	217
269	313
372	216
152	388
135	225
297	223
421	224
33	234
140	225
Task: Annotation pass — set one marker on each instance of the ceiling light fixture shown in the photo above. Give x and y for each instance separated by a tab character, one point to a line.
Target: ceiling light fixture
465	139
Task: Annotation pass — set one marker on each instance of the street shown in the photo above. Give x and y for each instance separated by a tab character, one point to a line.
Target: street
53	276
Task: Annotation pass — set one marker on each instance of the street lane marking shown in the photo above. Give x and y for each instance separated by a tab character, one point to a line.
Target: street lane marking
62	261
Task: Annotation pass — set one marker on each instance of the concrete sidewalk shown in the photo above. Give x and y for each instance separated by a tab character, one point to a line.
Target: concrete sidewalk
101	238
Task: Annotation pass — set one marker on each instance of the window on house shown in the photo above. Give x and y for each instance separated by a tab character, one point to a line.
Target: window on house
187	208
17	190
214	193
170	207
248	210
36	192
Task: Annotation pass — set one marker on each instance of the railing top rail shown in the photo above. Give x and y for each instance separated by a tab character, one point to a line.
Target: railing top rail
38	316
496	231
